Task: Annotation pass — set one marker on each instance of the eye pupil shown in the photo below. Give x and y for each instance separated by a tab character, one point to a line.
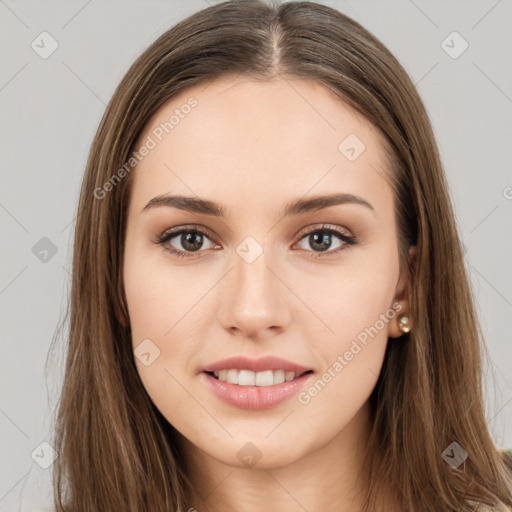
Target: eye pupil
189	239
320	241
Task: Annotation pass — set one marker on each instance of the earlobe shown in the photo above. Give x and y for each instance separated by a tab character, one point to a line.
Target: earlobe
402	322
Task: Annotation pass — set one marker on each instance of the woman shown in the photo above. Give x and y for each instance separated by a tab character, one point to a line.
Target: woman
270	306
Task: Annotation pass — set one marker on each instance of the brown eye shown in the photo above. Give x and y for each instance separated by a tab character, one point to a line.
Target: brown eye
320	241
181	242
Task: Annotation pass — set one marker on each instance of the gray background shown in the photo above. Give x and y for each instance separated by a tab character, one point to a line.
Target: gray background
50	109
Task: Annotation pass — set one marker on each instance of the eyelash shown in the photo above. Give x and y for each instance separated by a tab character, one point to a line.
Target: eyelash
166	236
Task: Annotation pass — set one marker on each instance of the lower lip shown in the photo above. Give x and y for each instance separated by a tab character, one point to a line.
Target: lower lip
255	397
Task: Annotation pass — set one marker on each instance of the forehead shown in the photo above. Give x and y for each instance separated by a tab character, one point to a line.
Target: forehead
235	135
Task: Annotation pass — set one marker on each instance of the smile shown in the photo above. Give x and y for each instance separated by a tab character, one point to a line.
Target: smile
254	396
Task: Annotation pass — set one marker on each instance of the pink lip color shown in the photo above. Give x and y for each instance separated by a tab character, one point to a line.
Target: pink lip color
255	397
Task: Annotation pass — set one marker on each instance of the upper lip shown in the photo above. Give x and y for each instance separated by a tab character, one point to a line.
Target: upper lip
256	365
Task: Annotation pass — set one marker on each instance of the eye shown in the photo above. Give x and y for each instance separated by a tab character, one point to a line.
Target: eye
190	239
320	239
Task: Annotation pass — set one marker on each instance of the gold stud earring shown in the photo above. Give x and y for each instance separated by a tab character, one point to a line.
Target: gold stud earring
403	324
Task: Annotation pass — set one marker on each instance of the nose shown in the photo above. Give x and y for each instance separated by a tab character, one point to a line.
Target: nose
254	300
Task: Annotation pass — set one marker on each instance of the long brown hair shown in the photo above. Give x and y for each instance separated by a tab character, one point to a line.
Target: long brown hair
116	451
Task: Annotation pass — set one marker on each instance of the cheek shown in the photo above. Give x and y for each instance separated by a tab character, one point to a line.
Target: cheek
352	356
158	294
161	338
356	310
355	297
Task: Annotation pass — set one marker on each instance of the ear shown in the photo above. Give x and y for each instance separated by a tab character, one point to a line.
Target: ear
402	298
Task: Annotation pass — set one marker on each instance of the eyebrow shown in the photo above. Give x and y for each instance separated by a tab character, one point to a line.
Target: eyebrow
296	207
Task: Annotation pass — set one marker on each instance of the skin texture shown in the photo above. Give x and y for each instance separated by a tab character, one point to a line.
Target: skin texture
253	147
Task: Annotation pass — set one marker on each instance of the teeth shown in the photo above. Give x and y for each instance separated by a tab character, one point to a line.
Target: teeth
248	378
289	376
245	377
232	377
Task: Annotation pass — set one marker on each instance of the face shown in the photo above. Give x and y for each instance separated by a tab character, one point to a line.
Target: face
301	290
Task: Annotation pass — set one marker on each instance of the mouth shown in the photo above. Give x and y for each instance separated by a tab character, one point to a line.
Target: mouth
249	390
261	379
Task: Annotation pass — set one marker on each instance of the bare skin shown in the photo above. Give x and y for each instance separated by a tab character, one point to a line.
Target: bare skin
254	147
